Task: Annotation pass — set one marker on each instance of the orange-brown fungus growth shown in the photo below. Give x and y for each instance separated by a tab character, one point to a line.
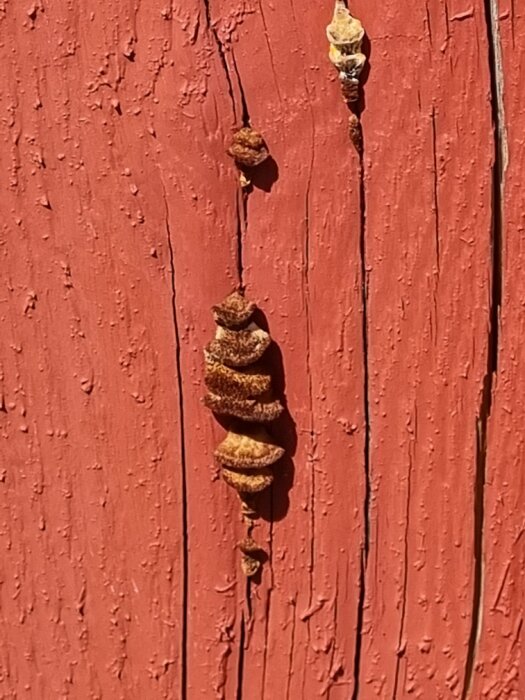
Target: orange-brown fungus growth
239	386
250	449
239	348
234	312
248	148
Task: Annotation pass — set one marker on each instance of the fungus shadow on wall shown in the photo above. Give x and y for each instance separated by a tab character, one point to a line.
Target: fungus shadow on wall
265	175
274	504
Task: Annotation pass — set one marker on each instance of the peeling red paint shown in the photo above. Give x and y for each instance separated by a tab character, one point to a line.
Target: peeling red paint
122	218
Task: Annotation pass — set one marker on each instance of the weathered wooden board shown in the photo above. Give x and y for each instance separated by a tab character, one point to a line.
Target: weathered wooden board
498	668
394	530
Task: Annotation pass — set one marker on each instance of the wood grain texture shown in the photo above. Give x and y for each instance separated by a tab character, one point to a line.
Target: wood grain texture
392	286
498	669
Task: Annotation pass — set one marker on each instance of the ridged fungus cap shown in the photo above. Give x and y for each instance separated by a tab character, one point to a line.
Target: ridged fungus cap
252	450
249	565
253	482
248	148
248	546
345	31
234	311
226	381
239	348
250	410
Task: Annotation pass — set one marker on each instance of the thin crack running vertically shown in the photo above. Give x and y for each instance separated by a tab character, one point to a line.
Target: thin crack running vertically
498	174
436	188
240	665
308	365
241	210
242	197
400	644
178	364
222	54
366	411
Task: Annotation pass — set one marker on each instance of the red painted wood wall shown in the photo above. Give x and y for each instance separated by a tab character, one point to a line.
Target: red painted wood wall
395	294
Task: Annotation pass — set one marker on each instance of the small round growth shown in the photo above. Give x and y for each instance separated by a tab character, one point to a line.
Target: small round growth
248	148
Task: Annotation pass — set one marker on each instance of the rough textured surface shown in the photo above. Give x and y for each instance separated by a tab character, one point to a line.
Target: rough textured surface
393	287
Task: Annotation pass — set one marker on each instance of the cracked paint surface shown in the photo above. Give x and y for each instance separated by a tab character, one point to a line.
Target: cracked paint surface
393	286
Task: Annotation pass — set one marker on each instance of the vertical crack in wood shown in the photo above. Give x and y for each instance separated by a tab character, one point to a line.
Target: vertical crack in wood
240	663
268	601
244	104
498	187
435	186
291	652
242	196
400	651
222	54
366	410
313	445
241	208
184	495
242	223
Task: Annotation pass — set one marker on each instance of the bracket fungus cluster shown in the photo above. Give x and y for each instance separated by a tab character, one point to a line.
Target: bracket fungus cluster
345	34
239	388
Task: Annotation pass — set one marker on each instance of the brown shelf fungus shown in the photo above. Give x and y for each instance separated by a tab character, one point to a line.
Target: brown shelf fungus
239	387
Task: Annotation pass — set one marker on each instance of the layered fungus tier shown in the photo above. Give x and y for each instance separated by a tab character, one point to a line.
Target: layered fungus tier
239	388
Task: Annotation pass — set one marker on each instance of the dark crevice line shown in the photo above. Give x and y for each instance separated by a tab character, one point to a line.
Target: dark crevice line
290	656
222	54
366	410
240	665
248	598
244	104
435	185
306	258
269	593
241	209
242	224
400	648
334	673
184	486
242	196
485	408
429	24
